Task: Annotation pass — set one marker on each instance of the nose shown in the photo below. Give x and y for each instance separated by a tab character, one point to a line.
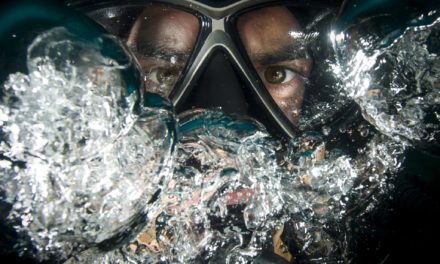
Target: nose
219	86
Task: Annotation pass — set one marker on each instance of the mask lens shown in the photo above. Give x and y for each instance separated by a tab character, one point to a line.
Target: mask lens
272	39
161	38
285	46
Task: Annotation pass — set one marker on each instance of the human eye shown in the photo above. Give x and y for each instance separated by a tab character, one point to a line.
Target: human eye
164	76
161	79
285	74
278	74
160	75
283	81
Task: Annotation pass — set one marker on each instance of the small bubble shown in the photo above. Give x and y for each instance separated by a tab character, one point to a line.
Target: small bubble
363	130
173	60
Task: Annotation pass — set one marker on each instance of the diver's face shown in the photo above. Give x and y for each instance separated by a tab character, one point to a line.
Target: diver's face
163	38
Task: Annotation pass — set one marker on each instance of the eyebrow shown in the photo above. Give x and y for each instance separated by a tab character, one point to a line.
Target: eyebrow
153	50
286	53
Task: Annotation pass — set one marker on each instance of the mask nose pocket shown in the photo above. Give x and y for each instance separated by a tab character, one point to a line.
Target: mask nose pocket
218	86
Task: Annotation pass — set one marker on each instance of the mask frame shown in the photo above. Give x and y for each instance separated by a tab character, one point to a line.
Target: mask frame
218	32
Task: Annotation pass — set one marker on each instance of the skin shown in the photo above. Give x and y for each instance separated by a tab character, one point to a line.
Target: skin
161	32
162	40
267	32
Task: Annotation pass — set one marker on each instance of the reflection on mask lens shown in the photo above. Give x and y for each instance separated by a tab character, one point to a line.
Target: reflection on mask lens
160	37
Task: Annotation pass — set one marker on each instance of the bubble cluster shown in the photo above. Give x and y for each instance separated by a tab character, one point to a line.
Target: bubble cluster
78	160
396	84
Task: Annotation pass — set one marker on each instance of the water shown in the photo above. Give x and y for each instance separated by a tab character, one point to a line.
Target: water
230	193
79	159
395	85
113	185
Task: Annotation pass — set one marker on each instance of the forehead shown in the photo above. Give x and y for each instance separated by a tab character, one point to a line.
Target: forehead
159	12
269	17
267	28
165	26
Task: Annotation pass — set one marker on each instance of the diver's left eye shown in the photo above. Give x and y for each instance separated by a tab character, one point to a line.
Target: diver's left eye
278	74
165	76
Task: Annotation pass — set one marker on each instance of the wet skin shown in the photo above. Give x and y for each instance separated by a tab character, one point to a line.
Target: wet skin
269	36
162	39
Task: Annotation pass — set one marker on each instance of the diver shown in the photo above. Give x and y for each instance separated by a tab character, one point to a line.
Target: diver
263	59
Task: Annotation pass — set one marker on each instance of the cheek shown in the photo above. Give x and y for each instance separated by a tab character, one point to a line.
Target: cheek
291	93
289	98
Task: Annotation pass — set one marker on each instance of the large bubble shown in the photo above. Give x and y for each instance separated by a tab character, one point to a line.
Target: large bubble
80	157
395	78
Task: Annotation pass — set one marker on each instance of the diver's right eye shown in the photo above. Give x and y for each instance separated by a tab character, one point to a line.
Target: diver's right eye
164	76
